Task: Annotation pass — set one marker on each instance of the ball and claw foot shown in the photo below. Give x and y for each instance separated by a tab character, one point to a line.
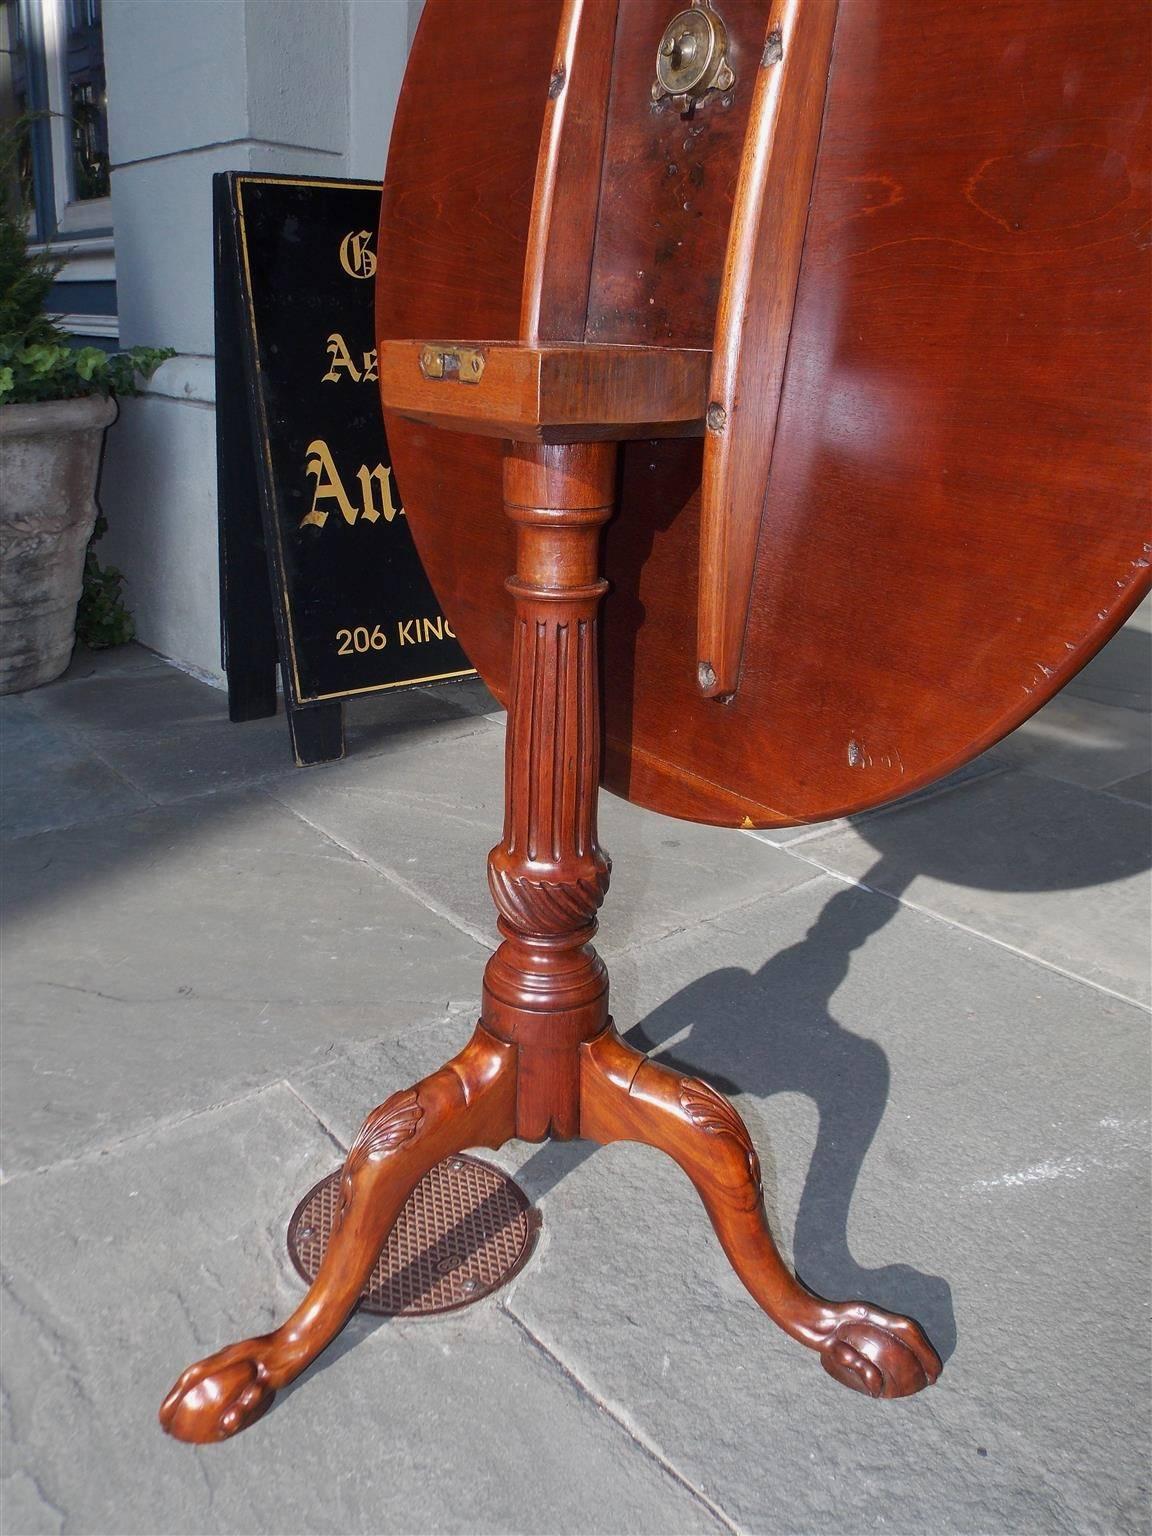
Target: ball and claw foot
218	1397
877	1353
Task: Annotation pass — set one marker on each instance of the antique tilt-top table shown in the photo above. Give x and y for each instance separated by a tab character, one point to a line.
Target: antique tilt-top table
766	387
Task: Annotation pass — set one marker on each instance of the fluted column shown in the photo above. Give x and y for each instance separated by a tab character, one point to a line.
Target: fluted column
546	988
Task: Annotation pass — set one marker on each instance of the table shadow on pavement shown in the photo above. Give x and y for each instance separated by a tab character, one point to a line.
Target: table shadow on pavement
778	1025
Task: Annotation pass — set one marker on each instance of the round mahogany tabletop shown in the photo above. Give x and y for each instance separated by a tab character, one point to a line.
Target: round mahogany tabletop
956	517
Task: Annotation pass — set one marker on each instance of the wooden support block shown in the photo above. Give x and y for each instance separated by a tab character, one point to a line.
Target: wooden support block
547	394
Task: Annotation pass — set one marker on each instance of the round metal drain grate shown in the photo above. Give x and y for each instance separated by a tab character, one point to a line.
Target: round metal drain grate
465	1231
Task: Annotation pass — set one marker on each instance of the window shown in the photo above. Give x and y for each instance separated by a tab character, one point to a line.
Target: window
55	56
52	74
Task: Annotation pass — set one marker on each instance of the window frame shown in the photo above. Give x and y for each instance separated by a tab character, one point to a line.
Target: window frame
60	218
76	233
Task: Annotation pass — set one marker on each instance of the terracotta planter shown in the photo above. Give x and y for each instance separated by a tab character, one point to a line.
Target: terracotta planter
49	463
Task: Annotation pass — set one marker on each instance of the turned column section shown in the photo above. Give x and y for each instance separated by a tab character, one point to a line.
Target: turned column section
546	988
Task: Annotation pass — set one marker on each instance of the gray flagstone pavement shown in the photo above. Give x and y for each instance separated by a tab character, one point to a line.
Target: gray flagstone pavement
934	1019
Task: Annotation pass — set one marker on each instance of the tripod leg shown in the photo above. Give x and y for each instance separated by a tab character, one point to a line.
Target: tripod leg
626	1097
469	1102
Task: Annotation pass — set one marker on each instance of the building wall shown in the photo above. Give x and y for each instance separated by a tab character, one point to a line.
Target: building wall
295	86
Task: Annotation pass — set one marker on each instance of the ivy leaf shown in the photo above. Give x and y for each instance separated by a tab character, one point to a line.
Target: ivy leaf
89	361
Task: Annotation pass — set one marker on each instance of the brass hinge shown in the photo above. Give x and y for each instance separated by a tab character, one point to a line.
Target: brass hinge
466	364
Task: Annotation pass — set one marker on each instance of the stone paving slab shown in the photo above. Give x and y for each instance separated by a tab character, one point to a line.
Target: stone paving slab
946	1125
1082	740
155	964
916	1152
123	1269
1049	867
355	1076
437	809
1137	788
170	736
51	780
113	660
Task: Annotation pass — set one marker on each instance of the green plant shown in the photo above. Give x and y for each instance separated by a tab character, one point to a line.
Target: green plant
56	370
38	360
102	619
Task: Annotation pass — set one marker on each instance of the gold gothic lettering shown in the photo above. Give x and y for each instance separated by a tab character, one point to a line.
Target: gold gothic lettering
375	487
329	486
340	357
355	256
381	476
340	363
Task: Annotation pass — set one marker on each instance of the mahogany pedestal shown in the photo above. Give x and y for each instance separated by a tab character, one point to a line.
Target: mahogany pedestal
545	1059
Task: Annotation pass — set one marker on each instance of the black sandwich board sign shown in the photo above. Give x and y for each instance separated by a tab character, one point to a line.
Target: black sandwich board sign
318	570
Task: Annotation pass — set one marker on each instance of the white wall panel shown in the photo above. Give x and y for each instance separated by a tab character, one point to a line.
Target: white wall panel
164	238
177	75
294	86
158	487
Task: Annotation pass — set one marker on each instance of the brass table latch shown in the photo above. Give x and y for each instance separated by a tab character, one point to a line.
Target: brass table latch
466	364
693	57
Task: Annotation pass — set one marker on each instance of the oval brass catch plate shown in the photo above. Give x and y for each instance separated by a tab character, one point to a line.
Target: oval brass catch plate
692	58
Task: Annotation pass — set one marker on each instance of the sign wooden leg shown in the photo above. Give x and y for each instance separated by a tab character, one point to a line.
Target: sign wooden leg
545	1059
317	730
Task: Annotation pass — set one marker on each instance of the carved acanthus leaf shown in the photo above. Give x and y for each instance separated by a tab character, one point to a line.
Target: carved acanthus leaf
388	1126
712	1112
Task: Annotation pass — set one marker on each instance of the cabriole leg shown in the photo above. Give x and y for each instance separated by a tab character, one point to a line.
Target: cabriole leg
469	1102
626	1097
